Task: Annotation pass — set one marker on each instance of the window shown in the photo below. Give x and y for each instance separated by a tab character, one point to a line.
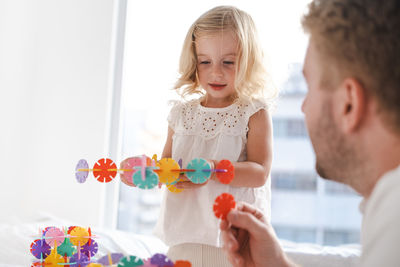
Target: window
305	208
293	181
289	127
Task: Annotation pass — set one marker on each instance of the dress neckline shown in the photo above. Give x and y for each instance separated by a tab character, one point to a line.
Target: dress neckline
216	109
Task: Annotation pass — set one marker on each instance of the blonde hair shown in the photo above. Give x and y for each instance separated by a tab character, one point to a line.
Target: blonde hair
251	75
361	38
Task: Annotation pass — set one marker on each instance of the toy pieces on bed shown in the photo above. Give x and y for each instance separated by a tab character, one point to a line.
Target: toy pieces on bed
223	204
110	259
73	245
146	173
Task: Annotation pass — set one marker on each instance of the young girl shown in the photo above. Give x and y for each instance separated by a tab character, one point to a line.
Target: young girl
222	60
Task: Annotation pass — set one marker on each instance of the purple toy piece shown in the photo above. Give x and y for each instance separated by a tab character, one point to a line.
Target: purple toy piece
115	258
79	260
90	250
161	260
40	249
81	175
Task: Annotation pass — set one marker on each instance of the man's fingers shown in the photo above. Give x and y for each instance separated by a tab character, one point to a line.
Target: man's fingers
243	206
247	220
230	244
224	225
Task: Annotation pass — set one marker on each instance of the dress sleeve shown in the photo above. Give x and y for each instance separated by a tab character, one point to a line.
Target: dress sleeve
174	114
255	106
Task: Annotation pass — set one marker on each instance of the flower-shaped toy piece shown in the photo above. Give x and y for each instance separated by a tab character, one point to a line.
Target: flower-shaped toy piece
150	181
110	259
130	261
128	168
90	248
79	260
54	235
226	176
168	170
200	174
161	260
104	170
223	204
79	236
81	171
40	249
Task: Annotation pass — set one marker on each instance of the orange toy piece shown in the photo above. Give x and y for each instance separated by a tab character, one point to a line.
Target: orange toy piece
223	204
225	177
104	170
182	263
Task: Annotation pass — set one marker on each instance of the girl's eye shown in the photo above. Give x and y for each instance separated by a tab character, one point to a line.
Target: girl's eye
205	62
227	62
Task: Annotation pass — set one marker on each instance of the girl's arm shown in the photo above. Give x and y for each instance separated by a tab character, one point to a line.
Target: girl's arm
167	152
254	172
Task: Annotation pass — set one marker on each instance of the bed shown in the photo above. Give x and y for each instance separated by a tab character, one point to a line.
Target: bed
16	239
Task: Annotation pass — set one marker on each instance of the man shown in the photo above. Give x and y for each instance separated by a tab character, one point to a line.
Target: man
352	111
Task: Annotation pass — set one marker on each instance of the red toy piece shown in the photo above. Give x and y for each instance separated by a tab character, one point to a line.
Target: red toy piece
104	170
225	177
223	204
182	263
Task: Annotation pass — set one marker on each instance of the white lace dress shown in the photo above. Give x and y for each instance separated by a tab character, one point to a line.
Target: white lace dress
209	133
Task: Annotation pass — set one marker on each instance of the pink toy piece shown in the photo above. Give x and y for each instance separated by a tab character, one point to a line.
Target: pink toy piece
143	167
54	235
147	263
130	164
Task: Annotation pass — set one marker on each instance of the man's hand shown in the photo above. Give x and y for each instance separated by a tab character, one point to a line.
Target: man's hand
249	239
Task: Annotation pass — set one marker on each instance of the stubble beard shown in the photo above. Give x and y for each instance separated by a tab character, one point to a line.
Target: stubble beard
336	159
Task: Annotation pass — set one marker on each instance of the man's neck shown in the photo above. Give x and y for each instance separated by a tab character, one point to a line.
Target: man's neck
383	149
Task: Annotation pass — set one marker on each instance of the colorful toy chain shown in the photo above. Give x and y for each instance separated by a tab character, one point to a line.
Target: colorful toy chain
74	246
146	173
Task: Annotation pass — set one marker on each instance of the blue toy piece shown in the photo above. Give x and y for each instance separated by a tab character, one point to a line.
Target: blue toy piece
202	171
150	181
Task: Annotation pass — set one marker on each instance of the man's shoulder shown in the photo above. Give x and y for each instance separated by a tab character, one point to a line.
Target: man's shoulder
380	232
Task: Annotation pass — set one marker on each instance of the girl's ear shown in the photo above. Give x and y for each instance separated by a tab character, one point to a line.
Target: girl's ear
352	104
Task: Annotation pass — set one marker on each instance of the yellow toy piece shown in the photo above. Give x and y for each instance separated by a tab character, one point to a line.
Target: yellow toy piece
169	170
54	259
79	236
95	265
173	189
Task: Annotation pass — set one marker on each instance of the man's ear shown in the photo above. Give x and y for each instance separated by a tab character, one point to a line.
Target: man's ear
352	106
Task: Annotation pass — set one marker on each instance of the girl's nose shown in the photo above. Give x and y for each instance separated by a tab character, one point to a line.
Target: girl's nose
217	70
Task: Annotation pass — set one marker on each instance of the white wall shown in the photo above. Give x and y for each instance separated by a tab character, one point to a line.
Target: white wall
54	71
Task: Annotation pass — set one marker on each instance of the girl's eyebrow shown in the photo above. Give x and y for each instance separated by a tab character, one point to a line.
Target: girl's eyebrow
228	54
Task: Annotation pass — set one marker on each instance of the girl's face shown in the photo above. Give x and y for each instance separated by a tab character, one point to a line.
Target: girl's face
216	65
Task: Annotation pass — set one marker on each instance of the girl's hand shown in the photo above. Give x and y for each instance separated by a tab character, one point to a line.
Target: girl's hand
185	183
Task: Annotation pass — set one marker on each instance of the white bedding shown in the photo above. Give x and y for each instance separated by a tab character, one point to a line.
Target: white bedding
16	239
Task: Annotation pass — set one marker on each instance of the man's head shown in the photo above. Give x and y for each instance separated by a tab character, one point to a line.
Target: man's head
353	60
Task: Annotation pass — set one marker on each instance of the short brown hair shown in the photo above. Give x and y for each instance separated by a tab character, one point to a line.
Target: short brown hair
362	38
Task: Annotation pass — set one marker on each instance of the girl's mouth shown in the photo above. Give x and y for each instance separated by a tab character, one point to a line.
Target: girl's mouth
217	86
